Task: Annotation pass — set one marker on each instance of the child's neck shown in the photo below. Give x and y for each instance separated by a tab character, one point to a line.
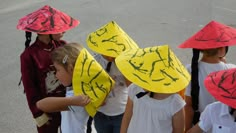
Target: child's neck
212	59
161	96
44	38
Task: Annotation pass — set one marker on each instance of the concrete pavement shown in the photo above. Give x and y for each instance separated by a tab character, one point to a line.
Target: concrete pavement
149	22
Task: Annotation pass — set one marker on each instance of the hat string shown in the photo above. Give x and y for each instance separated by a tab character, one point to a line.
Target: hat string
108	68
141	94
232	110
52	41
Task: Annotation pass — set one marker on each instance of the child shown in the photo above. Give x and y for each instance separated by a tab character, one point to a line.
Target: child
74	118
109	41
212	41
63	59
36	66
219	117
153	104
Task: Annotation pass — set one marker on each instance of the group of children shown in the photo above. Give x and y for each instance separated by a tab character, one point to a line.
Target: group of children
124	88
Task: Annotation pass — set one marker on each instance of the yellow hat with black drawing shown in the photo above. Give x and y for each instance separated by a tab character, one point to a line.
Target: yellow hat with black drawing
89	78
156	69
110	40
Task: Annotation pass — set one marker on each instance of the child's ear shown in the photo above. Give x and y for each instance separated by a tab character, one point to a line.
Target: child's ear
222	52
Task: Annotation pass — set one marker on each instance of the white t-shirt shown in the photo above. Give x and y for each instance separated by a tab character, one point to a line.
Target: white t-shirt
75	119
152	115
117	98
216	119
204	69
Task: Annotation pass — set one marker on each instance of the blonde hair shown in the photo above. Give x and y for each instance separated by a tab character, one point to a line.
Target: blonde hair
66	55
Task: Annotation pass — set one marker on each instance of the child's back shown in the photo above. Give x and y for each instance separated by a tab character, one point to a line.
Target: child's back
152	115
205	69
212	41
153	103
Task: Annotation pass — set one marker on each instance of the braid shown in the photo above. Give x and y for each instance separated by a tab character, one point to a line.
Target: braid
194	80
28	39
27	43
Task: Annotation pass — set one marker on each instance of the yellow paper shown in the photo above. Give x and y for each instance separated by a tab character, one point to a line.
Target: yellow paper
156	69
89	78
110	40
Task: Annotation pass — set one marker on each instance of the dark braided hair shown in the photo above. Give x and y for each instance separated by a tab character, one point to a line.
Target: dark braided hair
194	81
27	43
28	39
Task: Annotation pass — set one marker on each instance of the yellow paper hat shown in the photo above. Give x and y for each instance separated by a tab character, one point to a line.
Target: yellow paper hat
110	40
89	78
155	69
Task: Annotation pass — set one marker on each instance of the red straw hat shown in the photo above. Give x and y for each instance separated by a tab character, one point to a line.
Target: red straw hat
222	86
213	35
47	20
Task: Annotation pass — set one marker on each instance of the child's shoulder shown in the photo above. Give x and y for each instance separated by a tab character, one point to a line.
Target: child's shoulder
135	87
97	57
134	90
230	65
216	105
177	98
32	49
216	108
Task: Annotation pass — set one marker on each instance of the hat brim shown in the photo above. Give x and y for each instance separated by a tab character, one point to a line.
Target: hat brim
89	78
155	69
47	20
222	86
213	35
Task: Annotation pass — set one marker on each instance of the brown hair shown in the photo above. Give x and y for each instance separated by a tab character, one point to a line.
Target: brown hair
67	54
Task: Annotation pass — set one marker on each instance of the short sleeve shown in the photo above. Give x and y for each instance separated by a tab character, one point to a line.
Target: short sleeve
188	88
100	60
70	93
177	104
228	66
205	119
76	108
133	91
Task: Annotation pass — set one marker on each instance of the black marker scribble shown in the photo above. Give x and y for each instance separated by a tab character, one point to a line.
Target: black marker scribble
50	20
85	58
224	34
223	84
168	59
117	42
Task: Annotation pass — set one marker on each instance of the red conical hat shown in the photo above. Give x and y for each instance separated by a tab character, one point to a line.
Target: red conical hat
222	86
47	20
213	35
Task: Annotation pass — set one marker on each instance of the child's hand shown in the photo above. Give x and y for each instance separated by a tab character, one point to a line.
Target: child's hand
80	100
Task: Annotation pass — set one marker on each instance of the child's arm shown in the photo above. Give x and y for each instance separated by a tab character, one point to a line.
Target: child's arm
55	104
188	113
195	129
178	121
205	122
127	116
